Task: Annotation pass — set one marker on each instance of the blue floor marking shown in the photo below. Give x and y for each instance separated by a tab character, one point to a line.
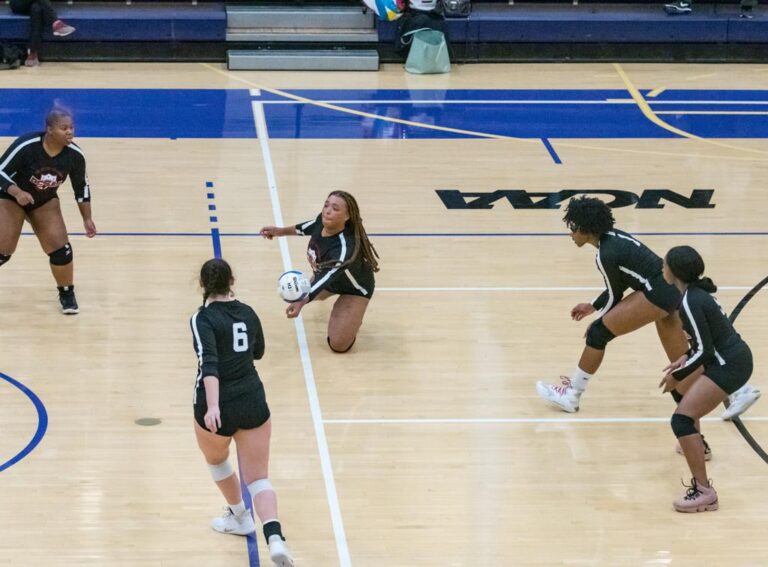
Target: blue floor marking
42	422
551	150
217	114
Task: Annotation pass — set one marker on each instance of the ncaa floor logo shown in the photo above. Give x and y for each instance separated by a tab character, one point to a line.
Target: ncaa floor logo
521	199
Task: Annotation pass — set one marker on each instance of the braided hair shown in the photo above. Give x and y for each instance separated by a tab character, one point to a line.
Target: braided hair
687	265
363	246
215	278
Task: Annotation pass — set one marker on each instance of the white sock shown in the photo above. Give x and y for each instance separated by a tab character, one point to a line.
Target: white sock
238	509
580	379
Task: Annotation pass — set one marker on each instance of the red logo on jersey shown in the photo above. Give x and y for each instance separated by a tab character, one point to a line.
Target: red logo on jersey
47	180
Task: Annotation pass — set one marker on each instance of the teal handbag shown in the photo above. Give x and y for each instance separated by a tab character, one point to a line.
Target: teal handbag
429	52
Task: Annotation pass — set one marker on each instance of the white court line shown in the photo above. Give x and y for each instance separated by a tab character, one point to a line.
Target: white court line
712	102
717	112
480	289
309	376
512	420
441	102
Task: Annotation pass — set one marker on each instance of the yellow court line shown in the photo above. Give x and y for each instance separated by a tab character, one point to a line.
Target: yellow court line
650	115
343	109
656	92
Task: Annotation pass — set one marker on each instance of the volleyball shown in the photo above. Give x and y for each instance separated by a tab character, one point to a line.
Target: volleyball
293	286
388	10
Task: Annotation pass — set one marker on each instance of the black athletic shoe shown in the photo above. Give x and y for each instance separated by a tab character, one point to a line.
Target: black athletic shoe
678	8
746	12
68	301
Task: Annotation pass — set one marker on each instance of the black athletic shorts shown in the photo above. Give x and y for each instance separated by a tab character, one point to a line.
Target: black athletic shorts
248	411
39	201
663	294
735	372
348	284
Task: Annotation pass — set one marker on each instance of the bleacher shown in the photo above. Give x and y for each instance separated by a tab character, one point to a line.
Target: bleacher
495	30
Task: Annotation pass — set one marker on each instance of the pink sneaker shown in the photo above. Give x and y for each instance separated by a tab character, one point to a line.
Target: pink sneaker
60	29
697	499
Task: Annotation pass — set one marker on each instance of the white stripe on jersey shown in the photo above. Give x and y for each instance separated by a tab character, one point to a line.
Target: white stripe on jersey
720	359
13	153
609	303
86	191
700	345
632	240
199	349
304	226
638	277
316	285
358	287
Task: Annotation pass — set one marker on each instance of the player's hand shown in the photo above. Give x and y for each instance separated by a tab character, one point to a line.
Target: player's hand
23	198
212	419
294	309
269	232
581	311
90	228
672	366
668	383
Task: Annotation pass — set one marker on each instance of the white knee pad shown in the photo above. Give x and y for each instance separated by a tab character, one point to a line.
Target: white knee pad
221	471
259	486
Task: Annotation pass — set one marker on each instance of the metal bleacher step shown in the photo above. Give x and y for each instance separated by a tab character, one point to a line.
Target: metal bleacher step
303	60
292	17
316	35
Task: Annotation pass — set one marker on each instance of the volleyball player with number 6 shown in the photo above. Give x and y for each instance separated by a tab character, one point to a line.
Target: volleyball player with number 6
229	403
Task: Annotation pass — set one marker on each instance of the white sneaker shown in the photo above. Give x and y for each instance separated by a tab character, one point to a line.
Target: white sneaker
740	401
228	523
279	553
563	396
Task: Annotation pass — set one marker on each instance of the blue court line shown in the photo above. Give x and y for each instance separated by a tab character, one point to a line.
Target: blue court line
42	422
250	539
215	235
551	151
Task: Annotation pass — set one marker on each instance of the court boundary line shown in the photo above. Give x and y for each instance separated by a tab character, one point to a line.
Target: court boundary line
42	422
648	112
511	420
737	421
342	547
259	87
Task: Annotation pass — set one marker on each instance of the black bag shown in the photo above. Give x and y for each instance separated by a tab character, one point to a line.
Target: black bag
10	56
457	8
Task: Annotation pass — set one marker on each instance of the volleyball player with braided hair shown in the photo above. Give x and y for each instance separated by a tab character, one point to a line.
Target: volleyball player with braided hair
625	263
718	363
229	403
343	261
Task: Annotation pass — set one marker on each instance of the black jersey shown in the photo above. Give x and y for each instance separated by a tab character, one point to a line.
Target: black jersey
27	165
335	250
711	335
624	262
227	337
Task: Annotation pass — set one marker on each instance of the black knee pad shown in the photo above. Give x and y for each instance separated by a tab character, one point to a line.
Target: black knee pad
4	258
340	351
598	335
677	396
62	256
682	425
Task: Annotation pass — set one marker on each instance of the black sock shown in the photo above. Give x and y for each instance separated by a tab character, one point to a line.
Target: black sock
272	528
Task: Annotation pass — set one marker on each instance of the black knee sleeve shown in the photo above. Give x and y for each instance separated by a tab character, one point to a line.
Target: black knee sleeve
62	256
598	335
682	425
4	258
677	396
340	351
